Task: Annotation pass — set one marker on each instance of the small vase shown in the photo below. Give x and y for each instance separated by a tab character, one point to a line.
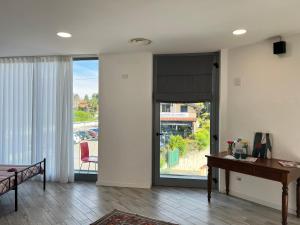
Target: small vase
230	149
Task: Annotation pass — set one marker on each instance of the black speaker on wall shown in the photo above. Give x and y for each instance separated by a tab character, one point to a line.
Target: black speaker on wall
279	47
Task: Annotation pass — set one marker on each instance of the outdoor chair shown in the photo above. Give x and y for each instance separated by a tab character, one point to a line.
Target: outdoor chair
85	156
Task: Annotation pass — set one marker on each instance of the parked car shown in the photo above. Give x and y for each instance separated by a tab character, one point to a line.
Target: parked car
83	135
76	138
92	133
95	129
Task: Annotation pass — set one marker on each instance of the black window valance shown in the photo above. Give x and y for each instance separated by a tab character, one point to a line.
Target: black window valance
184	78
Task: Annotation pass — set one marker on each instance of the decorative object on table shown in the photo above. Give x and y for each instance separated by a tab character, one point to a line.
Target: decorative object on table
240	149
289	164
117	217
230	147
237	154
262	147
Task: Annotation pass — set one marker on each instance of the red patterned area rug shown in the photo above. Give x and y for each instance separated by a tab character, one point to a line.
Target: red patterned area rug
117	217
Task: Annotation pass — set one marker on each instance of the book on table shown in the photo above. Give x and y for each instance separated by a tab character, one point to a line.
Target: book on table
289	164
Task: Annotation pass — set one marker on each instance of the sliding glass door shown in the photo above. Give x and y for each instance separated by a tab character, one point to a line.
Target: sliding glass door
185	121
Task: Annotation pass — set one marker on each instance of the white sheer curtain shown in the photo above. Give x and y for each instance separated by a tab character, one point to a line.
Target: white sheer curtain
36	114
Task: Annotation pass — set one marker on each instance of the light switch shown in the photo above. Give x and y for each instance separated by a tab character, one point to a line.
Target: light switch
124	76
237	81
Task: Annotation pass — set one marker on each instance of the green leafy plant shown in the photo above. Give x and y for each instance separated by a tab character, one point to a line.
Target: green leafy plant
162	162
178	142
82	116
202	138
204	121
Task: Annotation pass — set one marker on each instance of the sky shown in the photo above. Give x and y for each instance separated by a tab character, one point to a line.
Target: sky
85	77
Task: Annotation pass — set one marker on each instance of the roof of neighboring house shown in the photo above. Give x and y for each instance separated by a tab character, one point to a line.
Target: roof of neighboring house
191	119
83	103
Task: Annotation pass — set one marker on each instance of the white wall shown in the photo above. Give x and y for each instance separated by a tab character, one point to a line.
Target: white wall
223	111
267	100
125	146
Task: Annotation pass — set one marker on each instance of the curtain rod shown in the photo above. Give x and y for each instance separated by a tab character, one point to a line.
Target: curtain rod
72	55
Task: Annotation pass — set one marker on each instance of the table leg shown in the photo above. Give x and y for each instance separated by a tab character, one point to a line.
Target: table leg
298	197
227	174
284	204
209	183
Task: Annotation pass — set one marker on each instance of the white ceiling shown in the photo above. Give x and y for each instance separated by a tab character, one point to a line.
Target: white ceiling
29	27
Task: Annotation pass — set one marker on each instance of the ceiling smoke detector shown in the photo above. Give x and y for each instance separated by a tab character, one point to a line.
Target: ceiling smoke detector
140	41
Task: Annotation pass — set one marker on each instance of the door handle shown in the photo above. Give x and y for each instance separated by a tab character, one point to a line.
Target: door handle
215	137
159	134
215	180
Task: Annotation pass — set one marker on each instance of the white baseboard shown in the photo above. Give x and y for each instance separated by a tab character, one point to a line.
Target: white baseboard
259	201
121	184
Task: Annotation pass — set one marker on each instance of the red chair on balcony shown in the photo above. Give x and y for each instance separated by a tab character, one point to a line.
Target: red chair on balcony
85	156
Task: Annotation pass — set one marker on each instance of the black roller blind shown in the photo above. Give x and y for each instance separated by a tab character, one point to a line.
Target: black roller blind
184	78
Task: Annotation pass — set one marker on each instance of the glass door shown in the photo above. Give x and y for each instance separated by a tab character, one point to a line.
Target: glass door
185	118
184	137
184	140
85	117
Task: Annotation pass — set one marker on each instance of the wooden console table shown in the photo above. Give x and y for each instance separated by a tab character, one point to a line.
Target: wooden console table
265	168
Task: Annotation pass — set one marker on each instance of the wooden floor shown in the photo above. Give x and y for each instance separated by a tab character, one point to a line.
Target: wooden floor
83	203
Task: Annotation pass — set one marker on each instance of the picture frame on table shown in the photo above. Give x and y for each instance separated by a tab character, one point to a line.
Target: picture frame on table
262	145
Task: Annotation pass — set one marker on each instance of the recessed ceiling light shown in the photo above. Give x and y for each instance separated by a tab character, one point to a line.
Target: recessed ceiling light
239	32
140	41
64	34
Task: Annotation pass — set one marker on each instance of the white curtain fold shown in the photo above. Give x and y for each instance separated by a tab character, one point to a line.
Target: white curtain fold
36	114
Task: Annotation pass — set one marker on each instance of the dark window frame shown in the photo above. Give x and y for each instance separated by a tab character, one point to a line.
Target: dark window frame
185	107
166	107
214	99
